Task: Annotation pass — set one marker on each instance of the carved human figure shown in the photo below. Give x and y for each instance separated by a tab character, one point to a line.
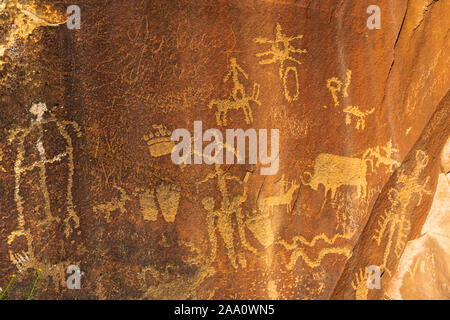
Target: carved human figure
35	134
220	220
240	99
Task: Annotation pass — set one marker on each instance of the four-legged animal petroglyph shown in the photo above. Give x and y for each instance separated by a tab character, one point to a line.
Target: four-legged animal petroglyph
387	158
36	129
333	171
116	203
239	100
360	116
284	198
281	51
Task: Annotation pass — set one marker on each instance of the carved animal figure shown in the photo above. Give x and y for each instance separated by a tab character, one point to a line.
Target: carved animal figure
387	160
285	198
333	171
360	116
223	105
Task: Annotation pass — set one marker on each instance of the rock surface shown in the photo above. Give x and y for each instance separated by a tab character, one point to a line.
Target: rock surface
85	149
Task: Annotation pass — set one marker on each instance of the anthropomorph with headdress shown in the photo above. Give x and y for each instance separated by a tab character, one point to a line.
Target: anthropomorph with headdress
36	134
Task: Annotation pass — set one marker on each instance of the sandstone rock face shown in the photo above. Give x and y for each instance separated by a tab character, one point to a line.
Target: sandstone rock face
356	194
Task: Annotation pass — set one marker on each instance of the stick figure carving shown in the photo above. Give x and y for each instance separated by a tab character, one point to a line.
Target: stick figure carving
220	220
36	128
395	224
239	100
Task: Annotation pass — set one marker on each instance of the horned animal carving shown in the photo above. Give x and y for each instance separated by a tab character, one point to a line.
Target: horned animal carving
334	171
283	199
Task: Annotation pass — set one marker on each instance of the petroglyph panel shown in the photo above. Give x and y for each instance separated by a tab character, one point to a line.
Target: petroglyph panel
399	212
91	182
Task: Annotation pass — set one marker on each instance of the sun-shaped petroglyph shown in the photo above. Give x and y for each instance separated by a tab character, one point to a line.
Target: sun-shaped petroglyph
281	51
